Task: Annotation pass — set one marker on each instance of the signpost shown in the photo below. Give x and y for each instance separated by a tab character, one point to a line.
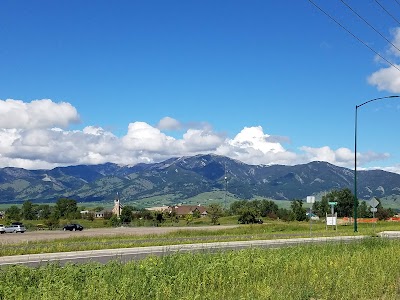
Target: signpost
310	199
332	220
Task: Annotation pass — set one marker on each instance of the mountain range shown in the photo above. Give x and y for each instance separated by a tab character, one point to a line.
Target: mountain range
186	177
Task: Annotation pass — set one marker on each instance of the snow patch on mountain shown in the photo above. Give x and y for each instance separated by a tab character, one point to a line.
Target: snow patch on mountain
46	178
381	189
317	180
299	179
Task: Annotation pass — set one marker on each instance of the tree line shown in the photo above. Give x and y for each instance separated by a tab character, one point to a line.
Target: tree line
68	209
248	211
251	211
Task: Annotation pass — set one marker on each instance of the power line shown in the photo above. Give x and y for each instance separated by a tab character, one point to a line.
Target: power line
366	22
388	11
397	2
353	35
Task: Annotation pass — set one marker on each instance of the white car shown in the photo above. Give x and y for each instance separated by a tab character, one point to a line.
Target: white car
2	229
15	229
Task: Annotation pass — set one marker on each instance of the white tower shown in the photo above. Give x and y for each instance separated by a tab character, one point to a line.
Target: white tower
117	206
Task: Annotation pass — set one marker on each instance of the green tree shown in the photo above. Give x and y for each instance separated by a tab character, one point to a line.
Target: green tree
146	214
67	207
174	217
345	200
126	214
321	208
53	221
236	206
298	211
159	217
256	205
285	214
214	211
268	208
189	219
363	211
248	215
382	213
44	211
115	221
196	214
13	213
28	211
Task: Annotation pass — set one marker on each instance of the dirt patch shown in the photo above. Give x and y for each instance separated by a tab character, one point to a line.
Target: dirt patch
14	238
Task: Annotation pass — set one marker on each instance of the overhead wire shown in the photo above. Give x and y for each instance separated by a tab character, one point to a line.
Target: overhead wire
369	24
388	11
354	36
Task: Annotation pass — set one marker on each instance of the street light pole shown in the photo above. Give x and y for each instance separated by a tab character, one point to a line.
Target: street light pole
355	156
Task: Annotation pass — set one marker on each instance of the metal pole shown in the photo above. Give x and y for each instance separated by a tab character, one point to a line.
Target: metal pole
355	156
355	173
310	218
373	216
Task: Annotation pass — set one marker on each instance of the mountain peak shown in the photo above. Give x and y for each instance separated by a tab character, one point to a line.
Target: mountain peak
188	176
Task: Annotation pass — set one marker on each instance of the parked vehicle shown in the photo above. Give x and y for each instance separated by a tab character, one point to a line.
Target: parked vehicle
15	229
2	229
73	227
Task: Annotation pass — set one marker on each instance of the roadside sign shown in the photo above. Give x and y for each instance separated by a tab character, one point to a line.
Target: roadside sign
374	209
331	221
374	203
310	199
332	203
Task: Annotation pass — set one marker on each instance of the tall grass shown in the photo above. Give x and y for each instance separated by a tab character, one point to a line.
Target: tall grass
368	269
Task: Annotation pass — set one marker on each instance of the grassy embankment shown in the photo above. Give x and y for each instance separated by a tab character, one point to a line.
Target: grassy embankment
268	230
367	269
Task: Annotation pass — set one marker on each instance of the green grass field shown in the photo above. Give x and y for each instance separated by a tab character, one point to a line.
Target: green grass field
367	269
268	230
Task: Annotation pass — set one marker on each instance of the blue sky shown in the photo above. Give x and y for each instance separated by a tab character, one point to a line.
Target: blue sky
265	82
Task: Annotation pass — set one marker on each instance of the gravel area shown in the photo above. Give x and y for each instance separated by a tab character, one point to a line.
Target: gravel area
13	238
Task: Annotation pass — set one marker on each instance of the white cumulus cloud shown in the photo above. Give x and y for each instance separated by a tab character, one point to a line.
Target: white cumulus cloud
388	77
16	114
168	123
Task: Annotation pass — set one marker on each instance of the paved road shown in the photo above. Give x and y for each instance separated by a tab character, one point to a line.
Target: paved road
14	238
128	254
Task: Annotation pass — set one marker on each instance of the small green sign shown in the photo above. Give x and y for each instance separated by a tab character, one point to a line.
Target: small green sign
332	203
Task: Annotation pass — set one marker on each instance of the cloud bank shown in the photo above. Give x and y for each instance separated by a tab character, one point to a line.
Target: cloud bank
35	135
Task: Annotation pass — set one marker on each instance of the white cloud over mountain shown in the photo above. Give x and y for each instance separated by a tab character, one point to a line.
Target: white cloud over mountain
37	141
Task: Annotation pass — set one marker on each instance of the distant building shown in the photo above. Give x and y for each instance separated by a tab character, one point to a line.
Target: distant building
99	214
117	207
182	210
